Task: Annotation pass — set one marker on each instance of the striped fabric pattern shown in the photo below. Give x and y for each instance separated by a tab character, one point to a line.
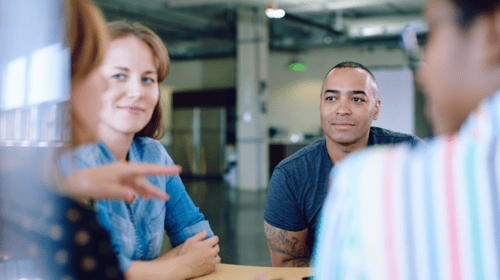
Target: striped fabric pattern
432	212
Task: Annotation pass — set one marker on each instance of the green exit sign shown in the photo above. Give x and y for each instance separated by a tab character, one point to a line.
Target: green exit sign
298	66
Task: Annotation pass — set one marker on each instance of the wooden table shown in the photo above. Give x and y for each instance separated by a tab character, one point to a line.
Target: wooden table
243	272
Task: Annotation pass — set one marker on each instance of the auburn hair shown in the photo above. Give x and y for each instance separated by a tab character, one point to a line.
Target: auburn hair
88	39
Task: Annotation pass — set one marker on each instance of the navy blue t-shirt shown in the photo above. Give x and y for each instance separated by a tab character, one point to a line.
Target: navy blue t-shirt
298	186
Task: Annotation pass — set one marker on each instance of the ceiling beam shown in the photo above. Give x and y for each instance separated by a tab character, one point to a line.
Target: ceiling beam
186	3
311	23
298	6
161	24
194	21
328	6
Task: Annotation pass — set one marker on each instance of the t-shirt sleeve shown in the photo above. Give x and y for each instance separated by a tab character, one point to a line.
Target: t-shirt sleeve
416	141
282	207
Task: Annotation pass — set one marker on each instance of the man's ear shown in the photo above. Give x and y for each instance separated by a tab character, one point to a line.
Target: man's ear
492	46
377	109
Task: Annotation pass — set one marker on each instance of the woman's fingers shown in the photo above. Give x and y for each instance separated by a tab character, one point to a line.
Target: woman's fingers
146	169
113	190
212	241
199	236
118	180
147	190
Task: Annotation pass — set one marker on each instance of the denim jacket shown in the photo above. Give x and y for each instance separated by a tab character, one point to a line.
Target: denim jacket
136	229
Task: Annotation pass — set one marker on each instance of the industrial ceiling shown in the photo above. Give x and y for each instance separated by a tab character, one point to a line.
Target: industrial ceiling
200	29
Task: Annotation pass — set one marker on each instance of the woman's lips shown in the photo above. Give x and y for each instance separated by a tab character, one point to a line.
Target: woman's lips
134	110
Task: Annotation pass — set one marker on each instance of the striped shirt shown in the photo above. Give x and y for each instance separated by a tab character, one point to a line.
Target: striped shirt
431	212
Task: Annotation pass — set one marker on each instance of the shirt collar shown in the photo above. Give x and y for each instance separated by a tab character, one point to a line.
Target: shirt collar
133	154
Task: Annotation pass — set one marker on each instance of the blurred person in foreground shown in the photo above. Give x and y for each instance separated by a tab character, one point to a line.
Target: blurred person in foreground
61	239
432	212
349	103
136	62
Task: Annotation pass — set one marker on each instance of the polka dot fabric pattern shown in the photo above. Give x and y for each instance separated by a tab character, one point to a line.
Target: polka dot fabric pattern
61	241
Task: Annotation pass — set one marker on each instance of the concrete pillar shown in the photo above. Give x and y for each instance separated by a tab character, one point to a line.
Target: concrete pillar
251	67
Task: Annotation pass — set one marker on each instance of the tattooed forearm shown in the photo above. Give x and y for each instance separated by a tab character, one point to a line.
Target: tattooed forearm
287	248
302	262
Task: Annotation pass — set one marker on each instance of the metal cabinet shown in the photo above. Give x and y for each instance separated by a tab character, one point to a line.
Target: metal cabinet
199	140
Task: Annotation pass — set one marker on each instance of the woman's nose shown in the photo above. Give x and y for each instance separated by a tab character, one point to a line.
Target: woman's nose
134	88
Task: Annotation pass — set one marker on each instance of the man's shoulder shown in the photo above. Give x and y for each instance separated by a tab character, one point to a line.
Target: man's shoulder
385	136
310	152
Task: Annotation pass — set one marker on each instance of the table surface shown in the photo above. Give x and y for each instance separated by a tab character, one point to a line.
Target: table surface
243	272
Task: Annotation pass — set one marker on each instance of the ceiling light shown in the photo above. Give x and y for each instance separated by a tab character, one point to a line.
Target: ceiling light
272	12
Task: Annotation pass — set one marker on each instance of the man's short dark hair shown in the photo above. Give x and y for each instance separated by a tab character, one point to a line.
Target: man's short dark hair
469	10
352	64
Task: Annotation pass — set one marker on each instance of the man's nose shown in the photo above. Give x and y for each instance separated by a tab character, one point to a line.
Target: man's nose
344	107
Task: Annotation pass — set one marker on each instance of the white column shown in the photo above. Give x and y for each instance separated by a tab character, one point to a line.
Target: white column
252	59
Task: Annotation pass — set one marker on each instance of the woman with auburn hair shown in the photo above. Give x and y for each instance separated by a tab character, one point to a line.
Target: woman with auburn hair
136	62
48	236
88	38
89	248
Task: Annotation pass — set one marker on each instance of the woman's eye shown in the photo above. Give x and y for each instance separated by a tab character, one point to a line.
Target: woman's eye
119	76
147	80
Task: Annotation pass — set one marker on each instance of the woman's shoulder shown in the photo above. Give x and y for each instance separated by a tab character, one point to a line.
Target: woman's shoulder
147	143
81	157
150	150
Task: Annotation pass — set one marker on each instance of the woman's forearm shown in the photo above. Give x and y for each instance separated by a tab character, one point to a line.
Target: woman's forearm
173	252
174	268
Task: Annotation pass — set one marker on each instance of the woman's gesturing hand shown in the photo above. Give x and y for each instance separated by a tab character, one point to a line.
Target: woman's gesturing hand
118	180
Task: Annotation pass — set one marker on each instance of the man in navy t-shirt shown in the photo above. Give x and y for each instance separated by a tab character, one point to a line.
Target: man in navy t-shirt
298	186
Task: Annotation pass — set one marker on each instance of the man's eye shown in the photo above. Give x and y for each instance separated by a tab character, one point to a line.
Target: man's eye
357	99
119	76
329	98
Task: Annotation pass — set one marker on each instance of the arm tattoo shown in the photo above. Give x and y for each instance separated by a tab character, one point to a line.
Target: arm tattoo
278	241
302	262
